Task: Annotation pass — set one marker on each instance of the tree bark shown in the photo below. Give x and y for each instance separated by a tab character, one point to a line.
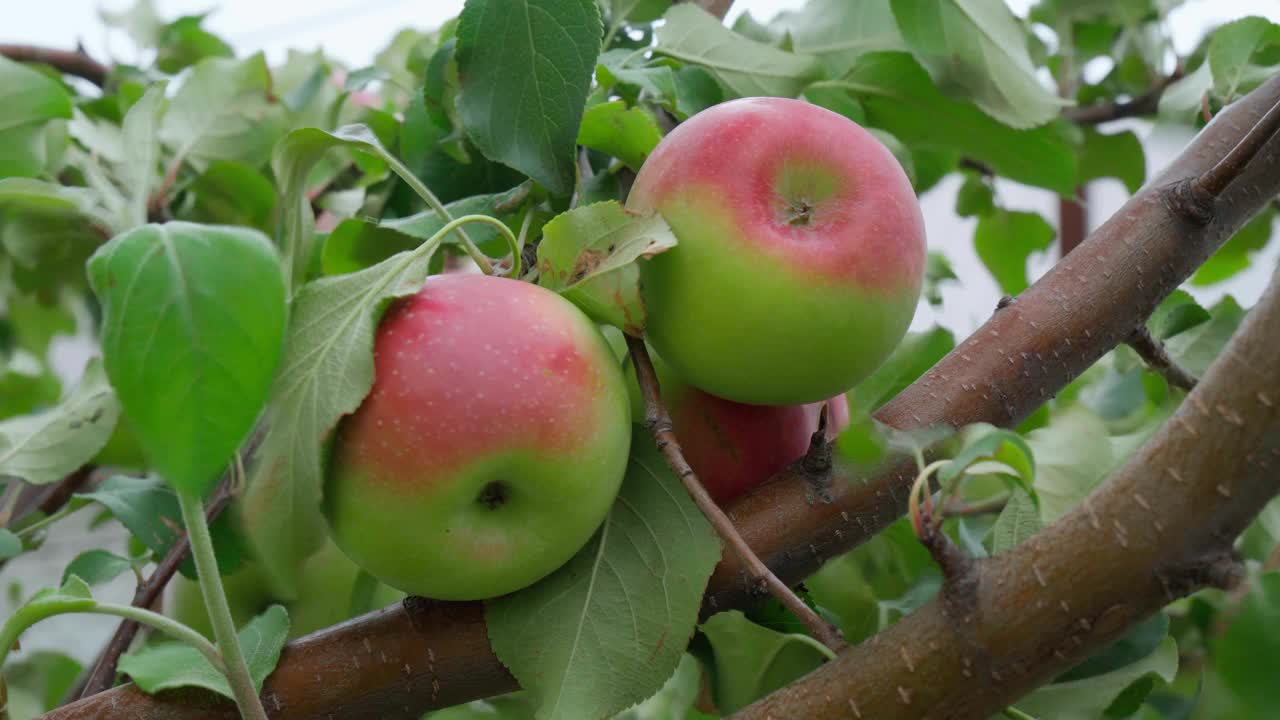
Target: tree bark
70	62
1021	357
1160	528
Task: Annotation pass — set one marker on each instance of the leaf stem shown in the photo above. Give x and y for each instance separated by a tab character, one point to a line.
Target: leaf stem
215	599
424	192
43	523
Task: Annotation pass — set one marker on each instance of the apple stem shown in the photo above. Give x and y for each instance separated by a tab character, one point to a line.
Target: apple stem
215	599
658	422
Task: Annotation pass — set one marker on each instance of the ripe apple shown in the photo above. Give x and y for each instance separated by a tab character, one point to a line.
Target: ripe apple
326	582
801	251
491	446
734	447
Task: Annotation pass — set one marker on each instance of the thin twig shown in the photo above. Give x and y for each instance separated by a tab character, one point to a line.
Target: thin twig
1218	177
1145	104
104	670
1157	358
71	62
659	423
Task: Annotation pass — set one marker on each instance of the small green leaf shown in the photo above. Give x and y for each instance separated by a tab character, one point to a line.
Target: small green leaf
839	31
528	119
10	544
1181	101
358	244
977	50
976	196
627	134
28	96
1089	698
645	570
937	270
589	253
46	447
96	567
293	161
184	42
1177	313
1019	520
1005	239
1118	155
73	596
223	111
140	21
173	665
1232	54
986	449
1073	455
328	364
1197	348
1237	254
751	661
637	11
143	157
201	308
744	66
916	353
231	193
898	96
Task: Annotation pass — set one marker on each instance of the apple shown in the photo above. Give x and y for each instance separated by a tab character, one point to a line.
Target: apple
491	446
734	447
801	251
325	585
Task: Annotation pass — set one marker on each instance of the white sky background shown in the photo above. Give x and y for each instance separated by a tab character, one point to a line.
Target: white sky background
353	31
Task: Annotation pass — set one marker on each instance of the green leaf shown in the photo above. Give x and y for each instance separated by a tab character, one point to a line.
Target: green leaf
1177	313
839	31
96	567
38	682
627	134
1232	54
976	196
752	661
636	585
202	307
1005	239
1118	155
637	11
1087	699
676	698
26	383
293	161
589	255
977	50
615	66
527	119
326	373
916	353
184	42
744	66
143	156
140	21
36	196
986	449
358	244
1073	455
231	193
937	270
146	507
898	96
1019	520
223	111
172	665
28	97
1249	646
1237	254
1197	348
10	544
46	447
1181	101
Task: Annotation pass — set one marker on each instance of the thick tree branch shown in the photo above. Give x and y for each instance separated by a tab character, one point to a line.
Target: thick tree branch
71	62
1160	528
1153	352
659	424
402	661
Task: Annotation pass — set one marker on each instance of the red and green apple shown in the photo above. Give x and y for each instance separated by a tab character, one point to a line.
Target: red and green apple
801	251
491	446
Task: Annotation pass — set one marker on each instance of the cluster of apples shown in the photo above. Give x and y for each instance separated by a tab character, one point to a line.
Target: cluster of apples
496	434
